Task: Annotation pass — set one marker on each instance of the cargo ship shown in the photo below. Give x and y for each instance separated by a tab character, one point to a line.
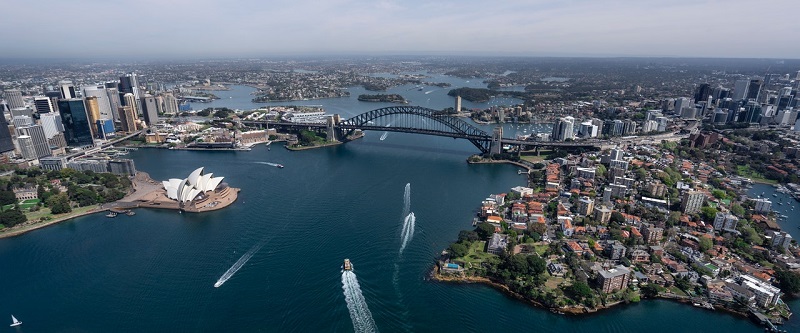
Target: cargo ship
347	266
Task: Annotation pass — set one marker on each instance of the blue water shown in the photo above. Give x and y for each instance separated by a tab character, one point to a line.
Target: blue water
155	271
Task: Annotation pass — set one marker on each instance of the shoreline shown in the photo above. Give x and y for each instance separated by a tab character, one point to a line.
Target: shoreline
573	310
38	225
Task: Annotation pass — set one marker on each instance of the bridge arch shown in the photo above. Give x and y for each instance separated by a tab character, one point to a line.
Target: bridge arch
414	119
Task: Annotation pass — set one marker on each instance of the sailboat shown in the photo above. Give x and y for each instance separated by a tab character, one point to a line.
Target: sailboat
14	321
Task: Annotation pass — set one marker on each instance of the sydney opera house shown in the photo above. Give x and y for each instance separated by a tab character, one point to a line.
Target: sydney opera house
200	192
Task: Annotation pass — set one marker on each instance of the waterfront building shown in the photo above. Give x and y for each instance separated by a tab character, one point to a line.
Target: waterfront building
123	166
588	130
94	165
563	129
77	129
14	98
766	295
43	104
691	201
614	279
762	205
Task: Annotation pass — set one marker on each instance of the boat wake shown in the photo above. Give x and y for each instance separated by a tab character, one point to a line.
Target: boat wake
408	230
385	134
356	304
430	91
407	200
238	265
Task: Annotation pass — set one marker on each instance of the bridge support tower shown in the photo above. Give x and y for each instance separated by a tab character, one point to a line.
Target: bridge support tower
331	130
496	146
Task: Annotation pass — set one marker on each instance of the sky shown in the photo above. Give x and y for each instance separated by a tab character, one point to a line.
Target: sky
263	28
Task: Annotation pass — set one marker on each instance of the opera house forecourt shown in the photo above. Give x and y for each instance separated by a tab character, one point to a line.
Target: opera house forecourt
200	192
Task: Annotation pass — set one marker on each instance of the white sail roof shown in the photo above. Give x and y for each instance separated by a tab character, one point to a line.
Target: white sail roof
187	189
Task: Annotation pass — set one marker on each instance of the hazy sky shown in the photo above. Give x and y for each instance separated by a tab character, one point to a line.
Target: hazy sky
217	28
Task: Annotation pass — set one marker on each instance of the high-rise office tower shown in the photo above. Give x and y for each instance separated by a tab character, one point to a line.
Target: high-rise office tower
149	110
740	89
21	121
14	98
702	92
170	104
93	113
77	129
43	104
127	118
67	90
754	89
103	102
51	122
114	101
39	140
130	100
129	84
6	142
26	147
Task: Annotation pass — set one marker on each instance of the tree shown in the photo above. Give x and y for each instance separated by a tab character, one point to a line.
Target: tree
579	290
467	236
617	217
708	213
737	210
649	290
789	281
59	204
457	250
706	244
7	198
12	217
484	230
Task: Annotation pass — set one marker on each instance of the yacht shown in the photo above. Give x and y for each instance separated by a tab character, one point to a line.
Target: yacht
347	266
14	321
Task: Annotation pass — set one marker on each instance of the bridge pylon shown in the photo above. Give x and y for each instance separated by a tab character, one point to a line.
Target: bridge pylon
331	129
496	146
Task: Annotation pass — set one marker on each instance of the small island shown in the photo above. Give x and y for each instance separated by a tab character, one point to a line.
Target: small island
385	98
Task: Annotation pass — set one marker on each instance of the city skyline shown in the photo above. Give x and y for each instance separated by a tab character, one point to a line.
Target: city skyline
212	28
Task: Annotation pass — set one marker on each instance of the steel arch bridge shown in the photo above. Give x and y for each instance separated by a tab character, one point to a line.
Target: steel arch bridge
416	119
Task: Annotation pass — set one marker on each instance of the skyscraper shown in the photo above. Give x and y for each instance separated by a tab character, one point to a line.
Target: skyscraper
127	119
38	139
130	100
103	103
51	122
129	84
6	143
26	147
170	104
43	104
754	89
93	112
77	129
114	101
740	89
702	92
14	98
22	121
563	129
149	110
67	90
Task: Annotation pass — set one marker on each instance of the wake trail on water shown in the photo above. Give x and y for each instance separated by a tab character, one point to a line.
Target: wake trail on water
356	304
238	265
408	230
267	163
407	200
385	134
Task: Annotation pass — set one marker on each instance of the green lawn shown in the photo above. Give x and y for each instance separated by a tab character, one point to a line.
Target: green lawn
476	254
25	204
677	291
746	171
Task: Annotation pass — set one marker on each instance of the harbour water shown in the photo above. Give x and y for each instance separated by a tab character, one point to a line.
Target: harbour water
157	270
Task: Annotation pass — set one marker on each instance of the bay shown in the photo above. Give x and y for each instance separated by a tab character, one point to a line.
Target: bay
155	271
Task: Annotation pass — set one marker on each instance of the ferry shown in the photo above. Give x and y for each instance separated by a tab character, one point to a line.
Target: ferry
280	166
347	266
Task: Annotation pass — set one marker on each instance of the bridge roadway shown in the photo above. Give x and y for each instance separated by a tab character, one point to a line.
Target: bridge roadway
102	146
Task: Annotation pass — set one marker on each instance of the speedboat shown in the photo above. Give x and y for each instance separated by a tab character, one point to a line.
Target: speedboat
280	166
347	266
